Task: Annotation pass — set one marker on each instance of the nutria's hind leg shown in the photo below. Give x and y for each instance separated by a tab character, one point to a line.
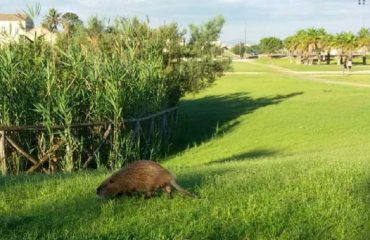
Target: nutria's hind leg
168	190
148	195
121	194
128	194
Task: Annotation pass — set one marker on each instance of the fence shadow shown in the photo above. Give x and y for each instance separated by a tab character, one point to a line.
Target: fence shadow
203	118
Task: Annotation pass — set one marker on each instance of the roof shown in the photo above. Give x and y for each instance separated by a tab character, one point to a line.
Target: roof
40	30
13	17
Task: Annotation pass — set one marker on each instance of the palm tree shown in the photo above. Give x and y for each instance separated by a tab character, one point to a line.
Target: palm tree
294	46
303	45
290	45
345	43
327	44
364	42
52	20
313	39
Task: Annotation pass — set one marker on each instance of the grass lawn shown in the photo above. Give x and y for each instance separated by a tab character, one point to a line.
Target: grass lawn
271	157
349	78
286	63
246	67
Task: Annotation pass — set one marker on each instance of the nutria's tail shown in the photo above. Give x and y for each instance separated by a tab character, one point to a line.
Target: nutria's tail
180	189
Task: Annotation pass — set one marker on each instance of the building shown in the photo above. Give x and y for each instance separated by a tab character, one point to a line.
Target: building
41	32
12	26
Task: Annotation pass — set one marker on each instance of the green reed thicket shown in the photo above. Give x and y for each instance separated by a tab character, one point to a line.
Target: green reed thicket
106	73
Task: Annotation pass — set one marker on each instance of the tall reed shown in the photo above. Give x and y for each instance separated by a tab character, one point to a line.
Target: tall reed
130	70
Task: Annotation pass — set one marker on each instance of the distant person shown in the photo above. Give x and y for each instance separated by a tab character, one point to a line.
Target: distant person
349	64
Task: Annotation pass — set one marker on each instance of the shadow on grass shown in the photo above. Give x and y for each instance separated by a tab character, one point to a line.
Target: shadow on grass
201	119
251	155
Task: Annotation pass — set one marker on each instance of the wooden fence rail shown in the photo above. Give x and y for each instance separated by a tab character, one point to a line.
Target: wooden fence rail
80	125
5	139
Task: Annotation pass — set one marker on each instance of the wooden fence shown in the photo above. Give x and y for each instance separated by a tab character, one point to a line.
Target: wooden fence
162	121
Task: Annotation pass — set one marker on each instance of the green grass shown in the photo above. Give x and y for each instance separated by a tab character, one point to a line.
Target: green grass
349	78
286	63
246	67
271	157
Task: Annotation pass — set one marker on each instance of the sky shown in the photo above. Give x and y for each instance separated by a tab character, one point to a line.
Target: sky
260	18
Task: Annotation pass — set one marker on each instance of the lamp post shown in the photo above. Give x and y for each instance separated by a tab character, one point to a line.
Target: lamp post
362	3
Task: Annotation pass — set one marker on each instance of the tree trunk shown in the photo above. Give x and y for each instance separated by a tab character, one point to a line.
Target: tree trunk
328	58
364	59
3	168
299	59
339	60
290	57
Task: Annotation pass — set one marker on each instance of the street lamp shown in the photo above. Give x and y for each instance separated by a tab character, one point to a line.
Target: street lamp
362	3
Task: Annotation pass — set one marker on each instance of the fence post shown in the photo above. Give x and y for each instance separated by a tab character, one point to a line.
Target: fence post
3	168
163	130
176	115
137	130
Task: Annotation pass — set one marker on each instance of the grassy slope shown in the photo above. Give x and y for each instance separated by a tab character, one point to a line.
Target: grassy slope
349	78
273	158
246	67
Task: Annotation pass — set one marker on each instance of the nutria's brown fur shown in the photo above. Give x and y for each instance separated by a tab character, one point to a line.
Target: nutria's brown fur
141	176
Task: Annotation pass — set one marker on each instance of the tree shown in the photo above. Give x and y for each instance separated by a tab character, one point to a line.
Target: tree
270	45
95	27
204	61
52	20
33	12
70	21
306	44
204	38
291	44
255	49
363	39
301	40
239	49
314	41
345	43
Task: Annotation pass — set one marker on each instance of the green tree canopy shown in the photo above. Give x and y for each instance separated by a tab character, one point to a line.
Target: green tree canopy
70	22
346	43
239	49
203	64
270	45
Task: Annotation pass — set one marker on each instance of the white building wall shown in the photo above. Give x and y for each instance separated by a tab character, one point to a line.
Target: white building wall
11	30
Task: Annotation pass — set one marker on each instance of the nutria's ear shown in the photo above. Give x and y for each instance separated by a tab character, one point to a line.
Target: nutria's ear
111	180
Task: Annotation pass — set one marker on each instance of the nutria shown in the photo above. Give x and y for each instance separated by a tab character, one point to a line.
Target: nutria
141	176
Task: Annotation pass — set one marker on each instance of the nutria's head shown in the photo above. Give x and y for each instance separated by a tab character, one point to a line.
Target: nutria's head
109	188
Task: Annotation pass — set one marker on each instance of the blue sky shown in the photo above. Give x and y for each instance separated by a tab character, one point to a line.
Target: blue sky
263	18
